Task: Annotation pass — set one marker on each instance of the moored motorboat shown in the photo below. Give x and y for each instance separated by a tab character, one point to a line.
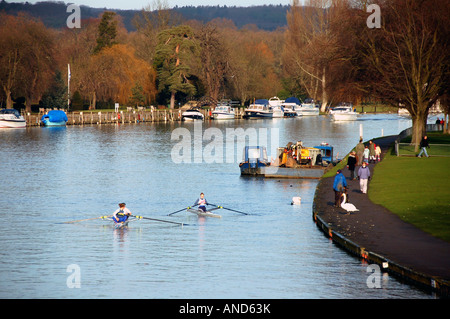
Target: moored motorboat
223	112
308	108
54	118
192	114
289	106
259	110
11	118
277	107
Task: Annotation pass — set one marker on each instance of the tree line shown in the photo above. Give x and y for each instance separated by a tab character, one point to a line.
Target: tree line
327	52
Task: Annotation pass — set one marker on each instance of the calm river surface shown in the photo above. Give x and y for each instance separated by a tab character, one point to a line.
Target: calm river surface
53	175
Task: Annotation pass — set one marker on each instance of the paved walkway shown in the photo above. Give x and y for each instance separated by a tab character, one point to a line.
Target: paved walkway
379	230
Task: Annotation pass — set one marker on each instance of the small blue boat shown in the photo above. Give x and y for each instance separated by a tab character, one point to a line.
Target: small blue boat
54	118
255	160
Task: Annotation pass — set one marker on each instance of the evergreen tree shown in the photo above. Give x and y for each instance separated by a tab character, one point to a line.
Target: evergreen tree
137	95
56	95
175	50
76	101
107	31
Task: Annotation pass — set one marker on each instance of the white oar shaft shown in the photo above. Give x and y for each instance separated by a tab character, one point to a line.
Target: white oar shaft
82	220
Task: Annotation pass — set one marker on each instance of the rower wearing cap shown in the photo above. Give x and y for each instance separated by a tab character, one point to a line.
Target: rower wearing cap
121	215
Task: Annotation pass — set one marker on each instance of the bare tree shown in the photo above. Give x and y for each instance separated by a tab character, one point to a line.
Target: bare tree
408	57
214	58
152	19
310	46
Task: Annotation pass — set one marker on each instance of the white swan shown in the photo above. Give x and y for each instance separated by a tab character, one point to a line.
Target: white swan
296	201
347	206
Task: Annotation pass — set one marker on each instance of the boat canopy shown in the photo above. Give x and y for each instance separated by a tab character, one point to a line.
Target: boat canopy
10	111
255	153
262	101
292	99
55	116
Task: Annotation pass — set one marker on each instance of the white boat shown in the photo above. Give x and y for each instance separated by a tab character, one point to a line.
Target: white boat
223	112
11	118
289	106
308	108
344	112
192	114
121	225
277	108
259	110
202	213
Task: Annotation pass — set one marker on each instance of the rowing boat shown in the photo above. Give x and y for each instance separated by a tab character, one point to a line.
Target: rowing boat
201	213
120	225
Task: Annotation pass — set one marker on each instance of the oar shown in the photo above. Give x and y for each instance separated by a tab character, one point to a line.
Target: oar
158	220
82	220
233	210
181	210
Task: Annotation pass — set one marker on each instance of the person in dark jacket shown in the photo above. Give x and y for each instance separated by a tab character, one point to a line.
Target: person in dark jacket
351	162
339	186
359	152
424	145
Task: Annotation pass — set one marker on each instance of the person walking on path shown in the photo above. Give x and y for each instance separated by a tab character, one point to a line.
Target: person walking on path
359	152
351	162
339	187
366	155
377	153
364	177
371	152
424	145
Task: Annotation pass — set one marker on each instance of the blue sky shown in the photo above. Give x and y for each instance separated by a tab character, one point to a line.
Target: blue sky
139	4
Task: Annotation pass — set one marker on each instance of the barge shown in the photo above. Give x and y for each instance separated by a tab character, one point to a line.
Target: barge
293	161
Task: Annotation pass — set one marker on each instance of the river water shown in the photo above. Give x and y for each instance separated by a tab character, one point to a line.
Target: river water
53	175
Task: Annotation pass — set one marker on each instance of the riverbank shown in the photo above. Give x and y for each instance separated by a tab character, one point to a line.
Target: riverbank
379	236
140	115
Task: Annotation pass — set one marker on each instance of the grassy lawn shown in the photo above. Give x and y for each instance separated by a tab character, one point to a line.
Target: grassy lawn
439	145
416	189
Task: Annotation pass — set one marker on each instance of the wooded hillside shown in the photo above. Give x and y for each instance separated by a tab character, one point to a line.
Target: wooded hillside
53	14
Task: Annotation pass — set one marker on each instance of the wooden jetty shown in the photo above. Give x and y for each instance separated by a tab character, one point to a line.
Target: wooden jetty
121	117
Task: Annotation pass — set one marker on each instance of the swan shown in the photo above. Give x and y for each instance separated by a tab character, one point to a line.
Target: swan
296	201
347	206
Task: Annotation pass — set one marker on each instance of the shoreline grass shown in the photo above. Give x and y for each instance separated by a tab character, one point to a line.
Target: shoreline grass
415	189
